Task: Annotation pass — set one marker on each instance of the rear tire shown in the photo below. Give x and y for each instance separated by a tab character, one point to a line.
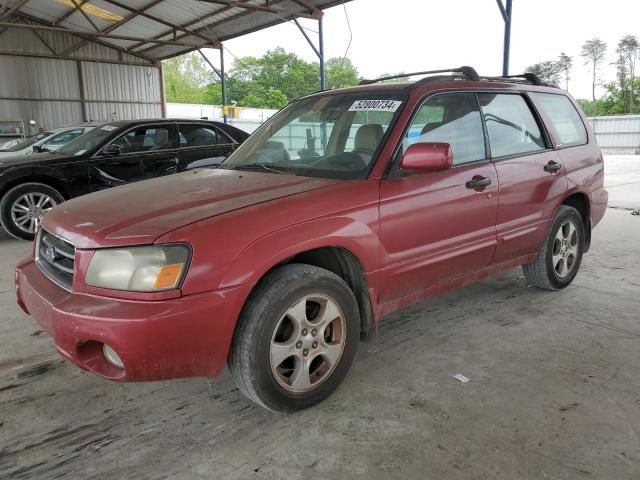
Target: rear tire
296	338
23	207
561	253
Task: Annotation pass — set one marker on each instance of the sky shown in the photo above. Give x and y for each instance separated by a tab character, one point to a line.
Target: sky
413	35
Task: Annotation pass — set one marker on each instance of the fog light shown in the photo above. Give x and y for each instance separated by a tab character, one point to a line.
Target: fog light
112	357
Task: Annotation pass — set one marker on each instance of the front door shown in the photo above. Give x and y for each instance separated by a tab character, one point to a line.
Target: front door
203	145
438	226
144	152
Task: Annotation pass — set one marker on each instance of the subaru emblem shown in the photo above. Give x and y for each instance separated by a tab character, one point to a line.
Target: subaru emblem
49	254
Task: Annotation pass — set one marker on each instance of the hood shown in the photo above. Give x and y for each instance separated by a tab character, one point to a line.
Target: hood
11	159
139	213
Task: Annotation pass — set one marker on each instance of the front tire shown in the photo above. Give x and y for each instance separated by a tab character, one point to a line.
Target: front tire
23	207
561	253
296	338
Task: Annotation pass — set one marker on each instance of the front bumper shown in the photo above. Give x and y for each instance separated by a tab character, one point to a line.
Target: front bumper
188	336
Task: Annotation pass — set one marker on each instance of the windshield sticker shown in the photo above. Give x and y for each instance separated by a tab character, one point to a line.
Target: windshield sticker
108	128
375	106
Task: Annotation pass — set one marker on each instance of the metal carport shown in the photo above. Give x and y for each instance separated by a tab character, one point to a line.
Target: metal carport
67	61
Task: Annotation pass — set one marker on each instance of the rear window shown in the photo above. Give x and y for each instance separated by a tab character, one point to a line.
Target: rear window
511	126
200	136
564	117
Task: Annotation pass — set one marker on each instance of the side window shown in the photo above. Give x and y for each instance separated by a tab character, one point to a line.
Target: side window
511	126
452	118
563	116
145	139
192	135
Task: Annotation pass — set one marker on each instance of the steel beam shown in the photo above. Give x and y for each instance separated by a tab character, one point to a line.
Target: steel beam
70	12
14	9
127	19
261	8
173	26
88	33
84	14
323	82
223	85
82	59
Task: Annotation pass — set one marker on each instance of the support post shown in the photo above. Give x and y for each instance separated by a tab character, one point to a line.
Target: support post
83	105
323	83
223	80
507	37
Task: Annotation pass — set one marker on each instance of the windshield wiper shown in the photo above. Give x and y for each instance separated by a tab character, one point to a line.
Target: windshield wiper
263	166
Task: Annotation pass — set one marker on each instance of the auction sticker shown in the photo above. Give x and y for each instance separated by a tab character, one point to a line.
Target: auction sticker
375	106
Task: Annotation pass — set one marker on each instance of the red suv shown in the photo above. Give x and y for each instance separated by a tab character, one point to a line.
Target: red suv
344	207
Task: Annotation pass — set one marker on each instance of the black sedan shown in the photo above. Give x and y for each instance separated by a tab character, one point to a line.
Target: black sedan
113	154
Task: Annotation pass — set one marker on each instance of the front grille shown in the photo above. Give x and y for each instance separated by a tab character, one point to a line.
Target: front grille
55	258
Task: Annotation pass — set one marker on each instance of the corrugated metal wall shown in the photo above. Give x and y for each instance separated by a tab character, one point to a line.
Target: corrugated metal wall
617	134
41	79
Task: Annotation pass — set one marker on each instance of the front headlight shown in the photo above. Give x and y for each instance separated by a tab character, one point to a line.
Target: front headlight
138	269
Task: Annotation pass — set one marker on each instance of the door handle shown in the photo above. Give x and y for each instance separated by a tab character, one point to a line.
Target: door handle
552	166
478	183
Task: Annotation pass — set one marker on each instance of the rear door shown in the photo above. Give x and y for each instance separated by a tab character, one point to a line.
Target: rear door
143	152
203	145
532	180
437	226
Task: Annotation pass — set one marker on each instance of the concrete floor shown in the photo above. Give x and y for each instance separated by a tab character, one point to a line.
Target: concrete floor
554	390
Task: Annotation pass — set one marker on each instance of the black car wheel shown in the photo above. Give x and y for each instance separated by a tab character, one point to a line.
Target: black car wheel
296	338
23	207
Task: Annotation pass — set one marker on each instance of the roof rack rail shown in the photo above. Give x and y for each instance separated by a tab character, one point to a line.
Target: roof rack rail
529	77
469	72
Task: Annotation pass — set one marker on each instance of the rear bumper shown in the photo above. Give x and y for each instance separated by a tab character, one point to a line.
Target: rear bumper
185	337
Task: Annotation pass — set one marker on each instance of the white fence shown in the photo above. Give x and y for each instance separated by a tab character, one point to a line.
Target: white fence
248	120
617	134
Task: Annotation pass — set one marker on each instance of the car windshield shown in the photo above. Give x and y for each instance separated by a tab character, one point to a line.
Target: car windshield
26	143
88	141
329	136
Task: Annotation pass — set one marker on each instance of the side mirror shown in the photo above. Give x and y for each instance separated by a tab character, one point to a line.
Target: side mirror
427	157
37	149
111	150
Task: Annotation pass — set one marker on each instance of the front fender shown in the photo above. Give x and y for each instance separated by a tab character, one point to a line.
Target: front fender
356	236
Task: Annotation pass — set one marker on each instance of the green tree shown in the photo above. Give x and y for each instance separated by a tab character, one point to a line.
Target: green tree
186	78
565	63
548	71
593	51
628	52
270	81
340	72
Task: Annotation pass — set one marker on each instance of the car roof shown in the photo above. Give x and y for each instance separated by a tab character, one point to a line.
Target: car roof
133	123
448	82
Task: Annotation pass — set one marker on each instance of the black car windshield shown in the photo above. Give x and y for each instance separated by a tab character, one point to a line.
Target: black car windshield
26	143
88	141
336	135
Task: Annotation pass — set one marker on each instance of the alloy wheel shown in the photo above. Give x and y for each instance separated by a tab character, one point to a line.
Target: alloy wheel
307	343
27	211
565	249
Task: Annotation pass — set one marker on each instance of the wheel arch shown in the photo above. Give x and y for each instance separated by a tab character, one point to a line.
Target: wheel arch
346	245
34	178
580	201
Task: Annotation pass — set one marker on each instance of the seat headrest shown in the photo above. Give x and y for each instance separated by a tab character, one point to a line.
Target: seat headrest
368	137
161	137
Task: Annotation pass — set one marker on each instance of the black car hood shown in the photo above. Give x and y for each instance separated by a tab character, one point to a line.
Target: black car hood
34	158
